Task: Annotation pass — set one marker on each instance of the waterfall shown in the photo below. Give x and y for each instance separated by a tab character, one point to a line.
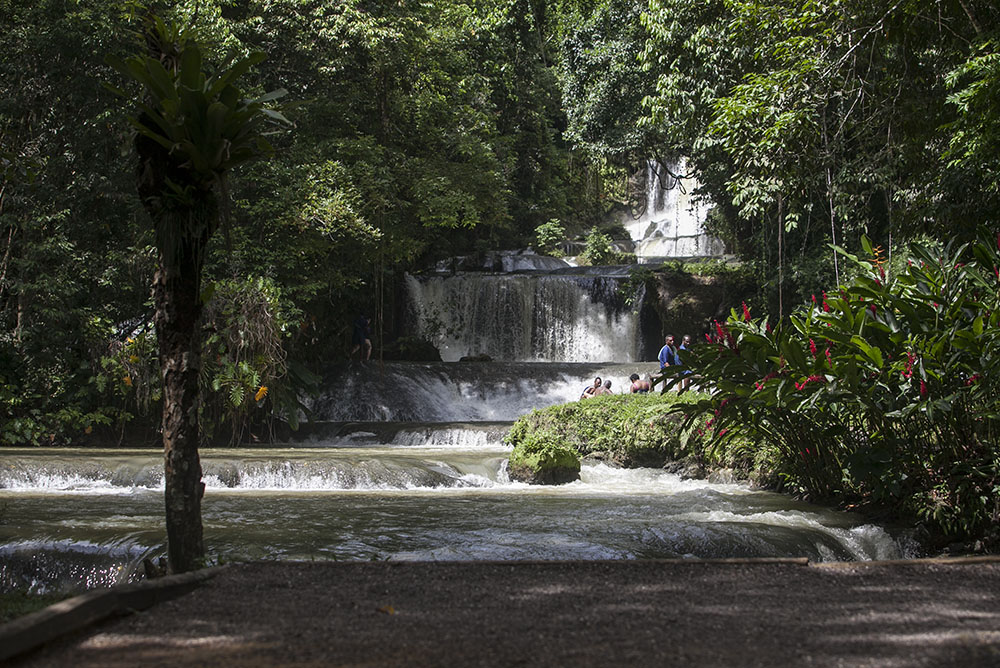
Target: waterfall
442	392
526	318
672	223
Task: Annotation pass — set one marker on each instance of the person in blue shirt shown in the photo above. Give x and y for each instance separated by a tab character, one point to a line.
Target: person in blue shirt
685	345
668	358
668	354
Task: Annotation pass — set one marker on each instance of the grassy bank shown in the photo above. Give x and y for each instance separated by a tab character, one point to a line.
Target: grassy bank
630	431
17	604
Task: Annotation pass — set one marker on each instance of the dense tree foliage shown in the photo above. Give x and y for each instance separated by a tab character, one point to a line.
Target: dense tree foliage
427	129
421	130
811	122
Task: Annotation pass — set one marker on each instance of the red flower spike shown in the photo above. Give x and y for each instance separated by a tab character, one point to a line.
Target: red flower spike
746	313
923	389
812	348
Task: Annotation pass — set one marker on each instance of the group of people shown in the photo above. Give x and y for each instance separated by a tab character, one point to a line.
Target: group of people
597	388
671	364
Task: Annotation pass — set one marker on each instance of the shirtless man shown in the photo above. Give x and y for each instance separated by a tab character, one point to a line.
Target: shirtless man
361	338
591	390
604	390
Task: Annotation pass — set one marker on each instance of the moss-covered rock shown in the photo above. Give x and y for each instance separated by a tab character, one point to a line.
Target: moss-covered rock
541	459
627	430
631	431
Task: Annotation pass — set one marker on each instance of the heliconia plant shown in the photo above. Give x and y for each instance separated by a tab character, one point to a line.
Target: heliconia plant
884	391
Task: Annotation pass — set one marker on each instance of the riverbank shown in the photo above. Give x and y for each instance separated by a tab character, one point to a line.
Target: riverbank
692	613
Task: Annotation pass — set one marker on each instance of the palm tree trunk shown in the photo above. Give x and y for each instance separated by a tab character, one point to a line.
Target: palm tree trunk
177	294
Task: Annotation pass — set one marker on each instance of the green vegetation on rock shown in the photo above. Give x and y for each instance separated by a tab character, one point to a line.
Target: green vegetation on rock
628	430
541	458
18	603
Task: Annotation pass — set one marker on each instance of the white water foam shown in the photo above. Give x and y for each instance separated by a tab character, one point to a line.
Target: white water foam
673	222
537	318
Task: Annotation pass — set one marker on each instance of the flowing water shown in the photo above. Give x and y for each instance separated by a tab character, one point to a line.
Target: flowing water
407	461
87	518
672	222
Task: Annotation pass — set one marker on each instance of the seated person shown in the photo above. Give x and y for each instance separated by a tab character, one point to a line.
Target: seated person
639	385
591	390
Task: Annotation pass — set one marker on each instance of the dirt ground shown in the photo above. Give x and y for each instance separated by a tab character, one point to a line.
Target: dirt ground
639	613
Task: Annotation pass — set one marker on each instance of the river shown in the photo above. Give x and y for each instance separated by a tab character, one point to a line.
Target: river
406	460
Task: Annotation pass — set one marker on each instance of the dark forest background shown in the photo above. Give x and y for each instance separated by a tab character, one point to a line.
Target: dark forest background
425	130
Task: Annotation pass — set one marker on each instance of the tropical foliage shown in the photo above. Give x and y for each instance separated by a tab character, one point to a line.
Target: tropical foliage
884	391
443	127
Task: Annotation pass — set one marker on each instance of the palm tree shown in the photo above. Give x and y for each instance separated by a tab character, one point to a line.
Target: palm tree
193	127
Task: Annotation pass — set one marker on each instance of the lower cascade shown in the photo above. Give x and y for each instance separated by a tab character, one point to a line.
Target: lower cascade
400	490
407	461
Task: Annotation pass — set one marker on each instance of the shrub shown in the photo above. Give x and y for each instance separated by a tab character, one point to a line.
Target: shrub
600	250
630	430
885	391
548	236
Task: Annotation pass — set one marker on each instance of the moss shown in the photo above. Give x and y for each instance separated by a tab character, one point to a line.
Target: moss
629	430
540	458
633	431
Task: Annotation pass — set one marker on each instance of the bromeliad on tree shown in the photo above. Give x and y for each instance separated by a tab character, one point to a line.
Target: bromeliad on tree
194	125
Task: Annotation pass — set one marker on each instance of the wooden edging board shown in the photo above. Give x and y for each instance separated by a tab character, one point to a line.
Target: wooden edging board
31	631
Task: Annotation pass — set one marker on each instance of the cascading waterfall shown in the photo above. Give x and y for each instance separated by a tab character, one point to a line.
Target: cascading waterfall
672	222
527	317
406	460
447	392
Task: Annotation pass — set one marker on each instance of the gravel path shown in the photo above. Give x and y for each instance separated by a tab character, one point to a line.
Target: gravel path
580	614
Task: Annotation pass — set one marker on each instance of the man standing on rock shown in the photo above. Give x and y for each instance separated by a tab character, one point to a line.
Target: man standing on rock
668	358
668	354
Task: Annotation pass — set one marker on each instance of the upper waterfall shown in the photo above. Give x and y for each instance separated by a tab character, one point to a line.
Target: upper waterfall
527	317
672	221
